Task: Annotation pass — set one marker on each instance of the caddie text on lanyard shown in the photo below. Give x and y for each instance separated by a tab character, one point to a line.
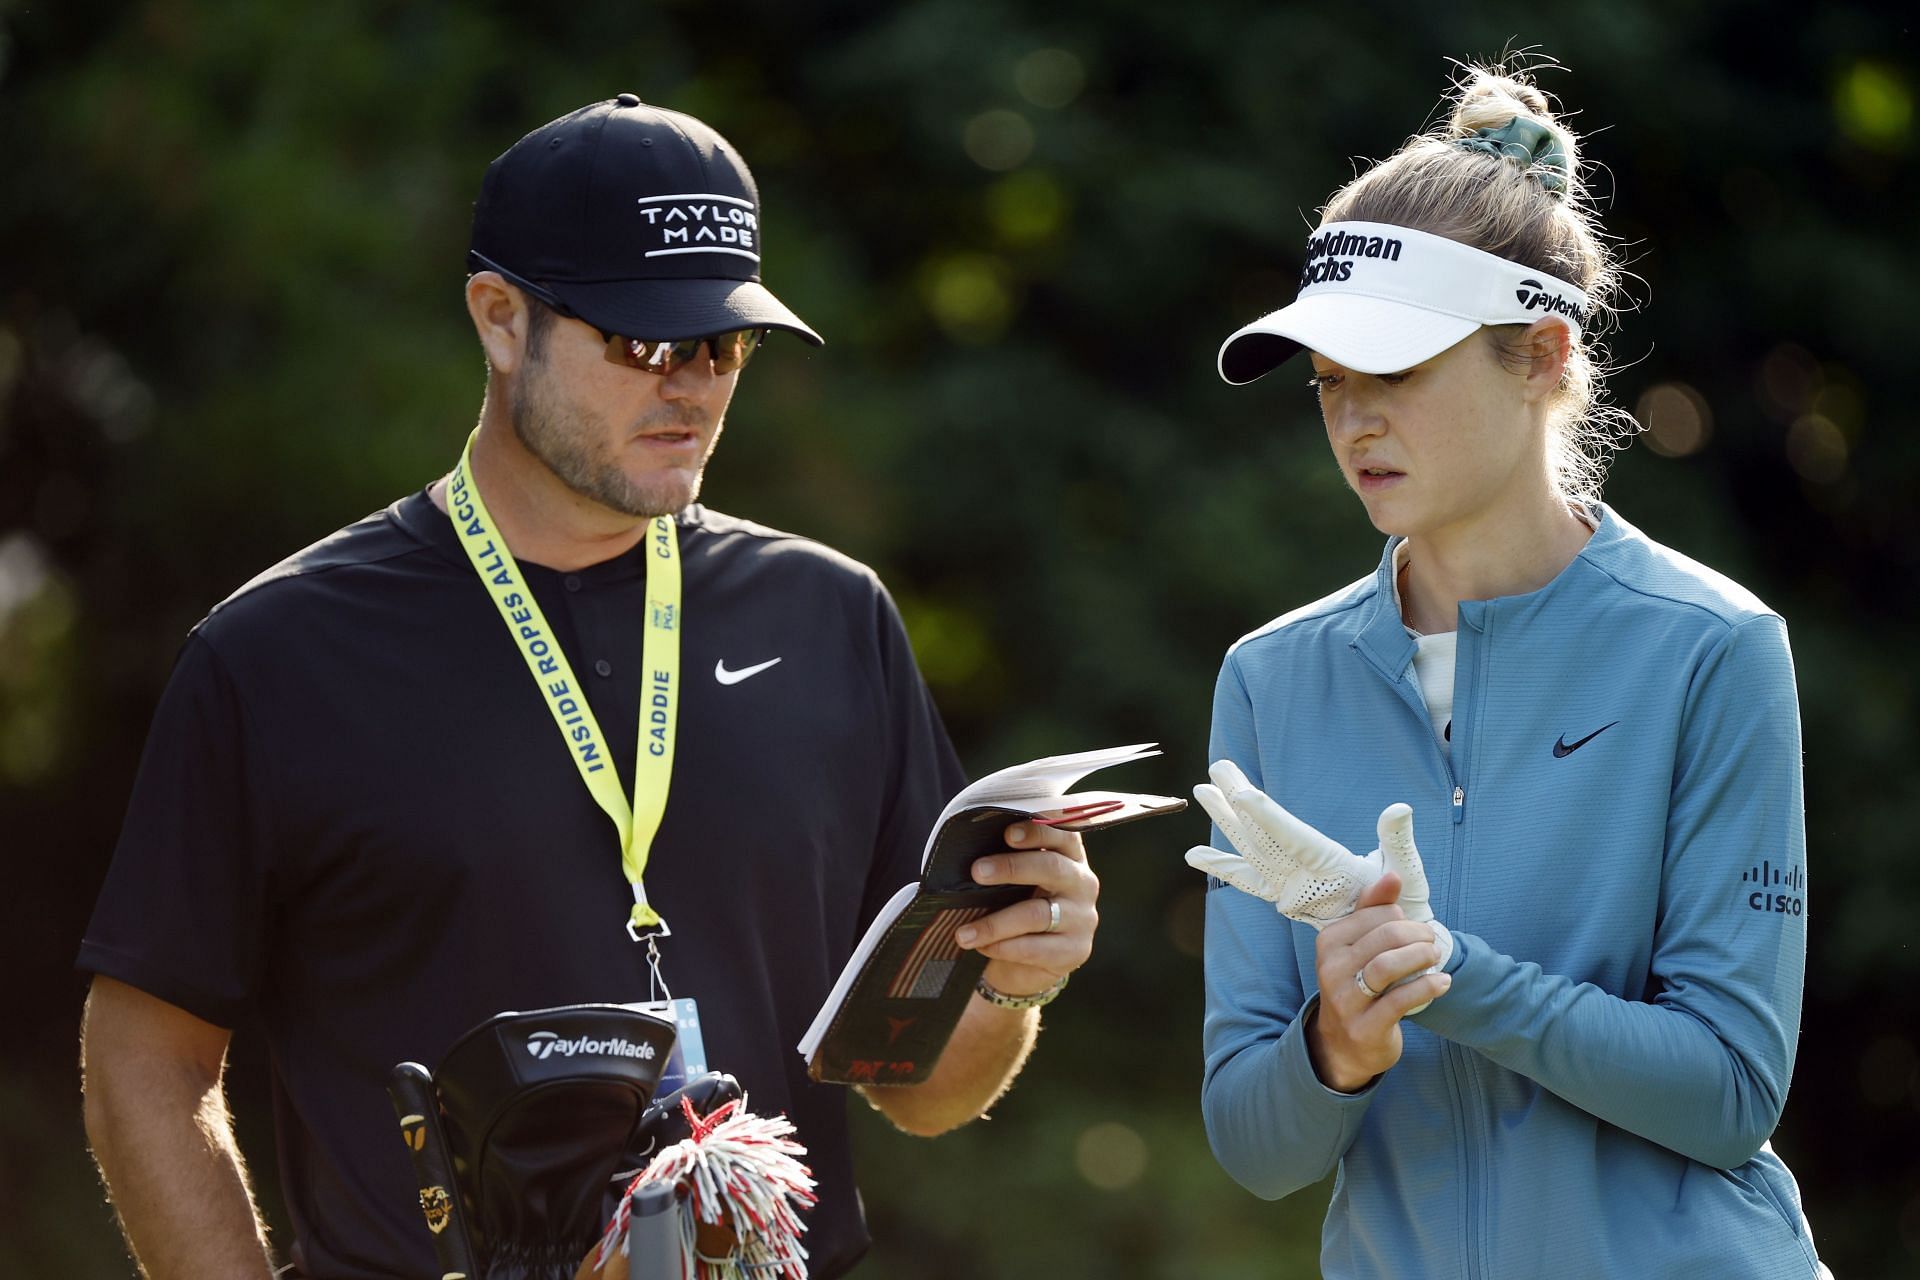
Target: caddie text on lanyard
638	822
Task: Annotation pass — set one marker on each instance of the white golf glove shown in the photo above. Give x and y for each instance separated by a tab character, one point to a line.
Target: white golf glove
1306	875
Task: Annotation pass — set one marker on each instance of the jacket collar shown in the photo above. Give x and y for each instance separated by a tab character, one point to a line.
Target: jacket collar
1383	638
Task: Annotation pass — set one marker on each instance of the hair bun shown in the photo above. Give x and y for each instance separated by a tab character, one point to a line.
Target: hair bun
1485	98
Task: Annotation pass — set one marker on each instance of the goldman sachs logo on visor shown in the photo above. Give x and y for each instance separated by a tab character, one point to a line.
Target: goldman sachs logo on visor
1330	255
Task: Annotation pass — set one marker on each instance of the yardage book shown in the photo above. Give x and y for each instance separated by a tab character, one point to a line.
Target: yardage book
896	1003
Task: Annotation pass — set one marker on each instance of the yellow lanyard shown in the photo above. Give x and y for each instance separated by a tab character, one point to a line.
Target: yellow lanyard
638	822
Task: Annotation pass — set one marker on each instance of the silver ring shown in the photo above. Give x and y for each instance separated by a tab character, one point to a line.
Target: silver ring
1360	981
1053	916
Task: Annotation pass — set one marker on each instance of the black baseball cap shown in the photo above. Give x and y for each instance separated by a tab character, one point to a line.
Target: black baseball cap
641	221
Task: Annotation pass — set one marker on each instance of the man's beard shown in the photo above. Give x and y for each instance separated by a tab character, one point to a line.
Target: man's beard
574	447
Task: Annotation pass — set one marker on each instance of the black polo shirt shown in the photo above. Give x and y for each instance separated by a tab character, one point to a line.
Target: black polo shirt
357	823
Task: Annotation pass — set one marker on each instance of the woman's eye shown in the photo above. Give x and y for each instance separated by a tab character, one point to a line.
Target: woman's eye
1393	379
1324	381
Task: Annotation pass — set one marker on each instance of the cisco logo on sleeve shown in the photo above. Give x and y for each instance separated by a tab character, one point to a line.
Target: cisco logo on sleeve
1781	893
547	1044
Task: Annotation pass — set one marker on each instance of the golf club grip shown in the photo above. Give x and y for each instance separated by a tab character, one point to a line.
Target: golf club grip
411	1089
654	1231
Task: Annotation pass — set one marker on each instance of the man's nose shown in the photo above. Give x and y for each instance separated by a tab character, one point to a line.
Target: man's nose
692	379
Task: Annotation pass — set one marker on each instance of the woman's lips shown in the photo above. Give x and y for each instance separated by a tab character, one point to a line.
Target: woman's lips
1376	479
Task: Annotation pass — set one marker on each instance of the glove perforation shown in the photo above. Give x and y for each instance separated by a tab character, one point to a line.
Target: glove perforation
1307	875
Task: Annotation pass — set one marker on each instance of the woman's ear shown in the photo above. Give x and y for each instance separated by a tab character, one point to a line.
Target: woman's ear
1548	344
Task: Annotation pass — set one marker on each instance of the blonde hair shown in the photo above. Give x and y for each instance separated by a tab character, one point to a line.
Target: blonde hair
1528	212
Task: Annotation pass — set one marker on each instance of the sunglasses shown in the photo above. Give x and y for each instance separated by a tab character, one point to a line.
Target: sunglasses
728	351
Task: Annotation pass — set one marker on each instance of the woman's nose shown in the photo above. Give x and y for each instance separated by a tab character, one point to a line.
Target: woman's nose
1353	417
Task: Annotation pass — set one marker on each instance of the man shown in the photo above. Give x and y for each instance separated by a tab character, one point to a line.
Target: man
364	817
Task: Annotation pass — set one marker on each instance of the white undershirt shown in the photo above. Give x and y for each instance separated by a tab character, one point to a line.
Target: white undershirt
1433	655
1433	668
1432	664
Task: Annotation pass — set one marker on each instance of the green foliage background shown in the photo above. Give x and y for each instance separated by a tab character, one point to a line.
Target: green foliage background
231	239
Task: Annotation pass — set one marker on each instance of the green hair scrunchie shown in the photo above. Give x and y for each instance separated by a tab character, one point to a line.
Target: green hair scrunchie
1529	144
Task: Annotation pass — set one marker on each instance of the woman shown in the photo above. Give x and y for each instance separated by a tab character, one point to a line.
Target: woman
1577	1073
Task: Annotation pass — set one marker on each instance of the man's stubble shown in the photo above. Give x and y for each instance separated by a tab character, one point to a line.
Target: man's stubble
577	448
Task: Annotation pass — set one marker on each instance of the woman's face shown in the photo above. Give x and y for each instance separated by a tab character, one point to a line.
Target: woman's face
1445	445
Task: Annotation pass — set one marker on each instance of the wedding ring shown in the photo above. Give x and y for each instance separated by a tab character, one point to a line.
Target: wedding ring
1053	916
1360	981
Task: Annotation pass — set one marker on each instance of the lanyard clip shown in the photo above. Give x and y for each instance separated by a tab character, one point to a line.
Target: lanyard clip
643	922
658	929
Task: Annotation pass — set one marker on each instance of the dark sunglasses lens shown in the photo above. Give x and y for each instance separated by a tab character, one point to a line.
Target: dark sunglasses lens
730	351
655	357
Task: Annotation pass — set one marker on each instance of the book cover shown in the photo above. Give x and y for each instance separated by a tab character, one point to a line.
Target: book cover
903	991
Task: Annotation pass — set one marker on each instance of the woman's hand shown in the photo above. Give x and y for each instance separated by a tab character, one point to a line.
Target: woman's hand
1355	1036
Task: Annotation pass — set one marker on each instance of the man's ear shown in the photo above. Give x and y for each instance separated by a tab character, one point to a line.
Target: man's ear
501	318
1548	343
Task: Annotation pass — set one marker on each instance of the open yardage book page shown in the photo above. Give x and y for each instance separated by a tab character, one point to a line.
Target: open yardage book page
1034	787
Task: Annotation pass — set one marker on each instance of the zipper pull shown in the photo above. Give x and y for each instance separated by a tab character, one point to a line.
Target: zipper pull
1459	803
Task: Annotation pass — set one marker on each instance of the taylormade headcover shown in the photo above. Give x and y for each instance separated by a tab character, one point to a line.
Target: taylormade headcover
538	1112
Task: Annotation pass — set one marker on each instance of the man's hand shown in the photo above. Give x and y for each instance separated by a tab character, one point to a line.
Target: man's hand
1354	1034
616	1268
1025	955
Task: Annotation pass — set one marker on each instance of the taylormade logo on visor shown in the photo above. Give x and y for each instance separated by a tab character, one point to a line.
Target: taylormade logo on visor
1533	296
547	1044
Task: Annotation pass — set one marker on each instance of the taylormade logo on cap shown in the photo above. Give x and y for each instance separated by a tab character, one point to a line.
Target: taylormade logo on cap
701	224
548	1044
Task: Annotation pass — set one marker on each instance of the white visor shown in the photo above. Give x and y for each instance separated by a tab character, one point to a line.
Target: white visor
1376	298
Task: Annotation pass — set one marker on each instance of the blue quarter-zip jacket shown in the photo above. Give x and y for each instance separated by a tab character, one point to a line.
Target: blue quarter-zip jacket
1617	844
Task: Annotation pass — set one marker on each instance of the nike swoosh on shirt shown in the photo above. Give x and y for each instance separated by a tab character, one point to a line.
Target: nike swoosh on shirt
1564	748
725	676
